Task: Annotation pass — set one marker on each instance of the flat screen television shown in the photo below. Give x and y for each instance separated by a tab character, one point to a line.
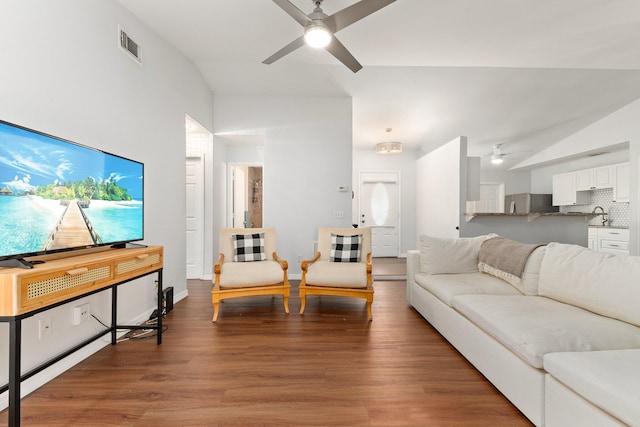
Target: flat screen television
57	195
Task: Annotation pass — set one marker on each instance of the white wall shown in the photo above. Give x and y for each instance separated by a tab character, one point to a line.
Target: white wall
307	156
64	74
441	190
405	163
515	182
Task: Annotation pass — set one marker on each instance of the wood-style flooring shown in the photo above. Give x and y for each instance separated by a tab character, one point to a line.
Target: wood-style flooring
259	367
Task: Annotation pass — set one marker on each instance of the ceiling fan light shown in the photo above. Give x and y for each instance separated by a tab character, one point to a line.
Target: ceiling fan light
496	159
317	35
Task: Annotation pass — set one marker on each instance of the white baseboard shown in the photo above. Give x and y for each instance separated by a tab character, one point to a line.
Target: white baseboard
180	296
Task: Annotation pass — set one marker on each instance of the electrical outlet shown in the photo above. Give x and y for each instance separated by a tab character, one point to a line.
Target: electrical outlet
338	214
81	313
44	327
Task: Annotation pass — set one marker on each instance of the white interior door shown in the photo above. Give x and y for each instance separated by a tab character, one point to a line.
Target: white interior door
195	217
380	210
491	198
239	196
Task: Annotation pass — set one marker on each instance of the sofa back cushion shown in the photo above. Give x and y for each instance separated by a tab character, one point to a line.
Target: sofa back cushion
448	255
603	283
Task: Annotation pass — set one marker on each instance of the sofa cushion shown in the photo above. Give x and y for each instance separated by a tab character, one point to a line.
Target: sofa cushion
447	255
603	283
533	326
514	262
608	379
446	286
249	274
337	274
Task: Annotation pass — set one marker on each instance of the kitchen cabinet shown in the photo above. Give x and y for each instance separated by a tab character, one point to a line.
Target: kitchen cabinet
621	189
565	191
595	178
610	240
592	238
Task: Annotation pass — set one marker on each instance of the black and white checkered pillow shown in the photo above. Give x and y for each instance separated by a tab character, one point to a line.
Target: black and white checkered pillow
248	247
345	248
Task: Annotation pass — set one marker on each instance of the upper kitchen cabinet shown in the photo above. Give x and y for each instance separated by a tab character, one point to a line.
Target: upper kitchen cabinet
621	189
595	178
565	190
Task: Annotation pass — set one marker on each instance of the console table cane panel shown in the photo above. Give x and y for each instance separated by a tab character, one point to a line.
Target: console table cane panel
133	265
65	278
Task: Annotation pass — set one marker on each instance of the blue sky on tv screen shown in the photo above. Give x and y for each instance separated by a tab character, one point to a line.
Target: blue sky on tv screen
29	159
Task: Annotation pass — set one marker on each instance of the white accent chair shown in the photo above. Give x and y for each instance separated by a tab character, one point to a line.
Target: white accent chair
240	279
320	276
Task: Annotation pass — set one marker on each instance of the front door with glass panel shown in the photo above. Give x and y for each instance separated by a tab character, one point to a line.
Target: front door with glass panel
379	210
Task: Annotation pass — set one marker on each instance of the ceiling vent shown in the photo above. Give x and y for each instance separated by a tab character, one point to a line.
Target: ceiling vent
128	45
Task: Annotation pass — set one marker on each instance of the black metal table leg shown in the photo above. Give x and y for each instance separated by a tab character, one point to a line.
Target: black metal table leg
15	343
160	306
114	314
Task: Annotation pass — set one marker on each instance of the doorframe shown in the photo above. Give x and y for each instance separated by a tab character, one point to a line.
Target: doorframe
397	176
230	182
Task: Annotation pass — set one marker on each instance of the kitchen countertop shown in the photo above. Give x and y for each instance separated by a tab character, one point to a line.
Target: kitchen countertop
618	227
534	215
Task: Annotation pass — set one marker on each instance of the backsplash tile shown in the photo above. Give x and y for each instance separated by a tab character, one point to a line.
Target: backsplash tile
618	213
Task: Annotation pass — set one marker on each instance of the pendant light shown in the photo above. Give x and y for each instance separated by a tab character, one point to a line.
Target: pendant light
389	147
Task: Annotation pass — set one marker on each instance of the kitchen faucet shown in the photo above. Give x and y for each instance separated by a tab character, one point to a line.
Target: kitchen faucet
603	213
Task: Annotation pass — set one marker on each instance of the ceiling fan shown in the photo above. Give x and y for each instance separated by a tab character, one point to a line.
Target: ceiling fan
497	156
320	28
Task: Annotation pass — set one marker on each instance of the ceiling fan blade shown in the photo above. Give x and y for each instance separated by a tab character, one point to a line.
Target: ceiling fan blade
293	11
299	42
341	53
353	13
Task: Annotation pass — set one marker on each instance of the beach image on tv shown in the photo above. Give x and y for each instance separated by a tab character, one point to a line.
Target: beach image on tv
57	195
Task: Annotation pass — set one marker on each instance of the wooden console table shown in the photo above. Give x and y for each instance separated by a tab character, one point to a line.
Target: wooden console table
26	292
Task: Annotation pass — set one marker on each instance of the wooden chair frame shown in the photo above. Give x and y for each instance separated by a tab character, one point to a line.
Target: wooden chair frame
328	289
219	293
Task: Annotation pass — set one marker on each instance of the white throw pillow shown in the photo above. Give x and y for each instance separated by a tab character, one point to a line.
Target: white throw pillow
450	255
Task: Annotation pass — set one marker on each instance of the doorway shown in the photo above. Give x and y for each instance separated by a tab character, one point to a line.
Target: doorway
491	199
246	196
380	210
198	202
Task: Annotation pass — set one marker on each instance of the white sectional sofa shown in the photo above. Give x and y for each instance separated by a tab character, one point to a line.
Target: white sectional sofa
555	328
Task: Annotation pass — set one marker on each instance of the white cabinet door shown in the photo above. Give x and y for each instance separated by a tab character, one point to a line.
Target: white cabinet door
595	179
603	177
621	189
592	238
565	193
584	180
564	189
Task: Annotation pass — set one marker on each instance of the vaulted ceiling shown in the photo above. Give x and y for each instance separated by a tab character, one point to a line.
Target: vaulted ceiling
524	73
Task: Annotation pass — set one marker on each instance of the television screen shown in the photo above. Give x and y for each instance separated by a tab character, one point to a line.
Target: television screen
57	195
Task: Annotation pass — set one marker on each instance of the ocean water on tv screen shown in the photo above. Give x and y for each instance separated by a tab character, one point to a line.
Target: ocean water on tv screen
30	220
26	223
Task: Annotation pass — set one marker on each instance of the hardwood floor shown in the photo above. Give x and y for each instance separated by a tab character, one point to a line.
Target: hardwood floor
393	268
259	367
